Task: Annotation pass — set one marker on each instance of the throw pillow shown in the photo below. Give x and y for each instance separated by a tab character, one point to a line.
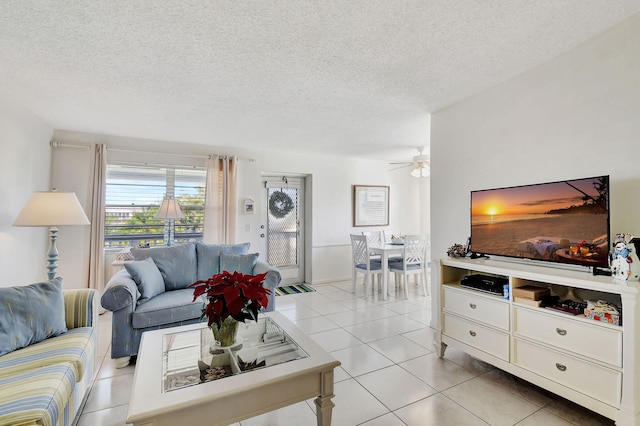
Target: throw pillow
242	263
209	257
31	314
147	277
177	264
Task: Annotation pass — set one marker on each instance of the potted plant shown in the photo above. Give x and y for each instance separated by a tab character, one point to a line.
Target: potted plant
229	298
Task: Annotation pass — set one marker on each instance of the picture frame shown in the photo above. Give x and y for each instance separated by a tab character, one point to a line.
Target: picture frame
370	205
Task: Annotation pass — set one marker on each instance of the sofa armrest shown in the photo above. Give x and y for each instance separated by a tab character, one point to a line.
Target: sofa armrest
273	275
271	281
121	291
81	308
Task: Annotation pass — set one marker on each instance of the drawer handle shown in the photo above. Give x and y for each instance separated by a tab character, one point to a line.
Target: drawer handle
561	331
561	367
472	333
472	305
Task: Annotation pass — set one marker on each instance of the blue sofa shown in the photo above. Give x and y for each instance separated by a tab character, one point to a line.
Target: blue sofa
48	364
151	292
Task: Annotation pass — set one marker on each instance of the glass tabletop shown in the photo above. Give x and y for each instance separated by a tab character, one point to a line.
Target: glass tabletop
192	357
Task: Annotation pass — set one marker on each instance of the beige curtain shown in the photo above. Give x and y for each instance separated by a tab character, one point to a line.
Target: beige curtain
220	200
232	199
96	245
212	207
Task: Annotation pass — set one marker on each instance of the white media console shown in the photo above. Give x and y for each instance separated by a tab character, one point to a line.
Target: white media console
592	363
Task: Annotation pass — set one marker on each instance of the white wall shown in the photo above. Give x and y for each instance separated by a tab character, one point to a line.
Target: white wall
575	116
331	179
24	168
73	241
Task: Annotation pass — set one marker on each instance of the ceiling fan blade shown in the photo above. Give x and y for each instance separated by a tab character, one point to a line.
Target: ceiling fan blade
404	162
401	167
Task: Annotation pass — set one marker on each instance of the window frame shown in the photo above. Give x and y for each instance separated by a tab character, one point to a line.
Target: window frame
186	183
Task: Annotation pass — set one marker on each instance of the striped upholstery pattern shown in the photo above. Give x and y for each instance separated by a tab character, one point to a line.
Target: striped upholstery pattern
81	310
37	396
45	383
77	346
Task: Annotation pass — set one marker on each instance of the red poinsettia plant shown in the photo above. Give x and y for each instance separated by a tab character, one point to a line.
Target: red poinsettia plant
233	295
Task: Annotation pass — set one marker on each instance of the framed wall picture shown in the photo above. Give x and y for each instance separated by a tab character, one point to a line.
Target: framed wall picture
370	205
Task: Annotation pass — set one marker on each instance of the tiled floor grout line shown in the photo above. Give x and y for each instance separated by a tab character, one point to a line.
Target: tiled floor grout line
399	316
396	364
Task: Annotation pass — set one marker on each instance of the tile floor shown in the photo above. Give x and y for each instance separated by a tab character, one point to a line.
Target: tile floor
390	374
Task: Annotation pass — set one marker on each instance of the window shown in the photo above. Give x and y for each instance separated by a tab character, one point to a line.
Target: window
133	196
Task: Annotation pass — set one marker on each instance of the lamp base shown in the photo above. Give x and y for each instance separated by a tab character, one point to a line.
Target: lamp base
52	255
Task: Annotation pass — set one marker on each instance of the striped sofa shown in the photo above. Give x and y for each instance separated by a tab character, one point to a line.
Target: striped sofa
45	383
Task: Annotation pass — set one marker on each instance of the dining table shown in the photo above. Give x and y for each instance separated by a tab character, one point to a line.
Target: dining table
385	251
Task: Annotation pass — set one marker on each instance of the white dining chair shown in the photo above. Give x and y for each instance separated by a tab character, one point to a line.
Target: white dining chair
389	237
414	261
374	238
364	264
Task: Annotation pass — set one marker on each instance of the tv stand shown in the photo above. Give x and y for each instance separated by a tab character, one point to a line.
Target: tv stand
594	364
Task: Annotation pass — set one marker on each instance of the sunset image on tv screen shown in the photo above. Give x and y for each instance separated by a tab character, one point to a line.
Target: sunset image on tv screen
565	221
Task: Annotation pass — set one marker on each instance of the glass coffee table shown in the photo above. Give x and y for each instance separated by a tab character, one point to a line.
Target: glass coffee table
183	377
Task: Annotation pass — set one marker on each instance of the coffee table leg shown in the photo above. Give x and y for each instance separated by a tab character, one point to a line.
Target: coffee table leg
324	405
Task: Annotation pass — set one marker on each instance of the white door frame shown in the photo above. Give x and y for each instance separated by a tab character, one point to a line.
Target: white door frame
292	273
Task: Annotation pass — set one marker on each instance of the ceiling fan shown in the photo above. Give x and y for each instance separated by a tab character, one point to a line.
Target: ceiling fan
419	165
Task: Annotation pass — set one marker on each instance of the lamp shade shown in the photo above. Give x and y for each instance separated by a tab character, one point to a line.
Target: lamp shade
52	209
170	209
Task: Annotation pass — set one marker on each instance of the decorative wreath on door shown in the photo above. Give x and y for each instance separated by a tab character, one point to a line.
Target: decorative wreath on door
280	204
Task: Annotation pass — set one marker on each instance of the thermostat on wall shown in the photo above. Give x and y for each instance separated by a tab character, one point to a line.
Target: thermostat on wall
248	205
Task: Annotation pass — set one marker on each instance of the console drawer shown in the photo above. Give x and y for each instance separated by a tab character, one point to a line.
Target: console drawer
589	340
473	334
590	379
487	309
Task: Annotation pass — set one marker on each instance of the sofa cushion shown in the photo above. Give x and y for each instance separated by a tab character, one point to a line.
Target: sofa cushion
177	264
147	277
167	308
209	257
31	314
242	263
37	396
77	346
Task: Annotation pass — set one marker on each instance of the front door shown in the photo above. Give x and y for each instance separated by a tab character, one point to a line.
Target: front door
284	197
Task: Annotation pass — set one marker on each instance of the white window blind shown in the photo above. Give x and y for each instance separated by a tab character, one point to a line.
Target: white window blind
134	194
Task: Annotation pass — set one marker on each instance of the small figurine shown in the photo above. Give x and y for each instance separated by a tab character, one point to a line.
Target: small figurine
621	258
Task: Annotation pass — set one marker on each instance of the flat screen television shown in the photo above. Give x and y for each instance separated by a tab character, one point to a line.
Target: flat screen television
564	222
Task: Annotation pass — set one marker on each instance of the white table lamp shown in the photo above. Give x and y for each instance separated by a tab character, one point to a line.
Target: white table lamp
169	211
52	209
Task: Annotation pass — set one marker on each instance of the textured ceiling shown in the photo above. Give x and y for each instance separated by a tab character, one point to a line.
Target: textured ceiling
349	77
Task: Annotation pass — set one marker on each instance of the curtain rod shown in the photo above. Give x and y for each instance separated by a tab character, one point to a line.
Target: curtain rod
56	144
161	153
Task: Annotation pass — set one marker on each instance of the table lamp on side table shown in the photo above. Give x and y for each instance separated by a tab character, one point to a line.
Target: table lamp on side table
169	211
52	209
